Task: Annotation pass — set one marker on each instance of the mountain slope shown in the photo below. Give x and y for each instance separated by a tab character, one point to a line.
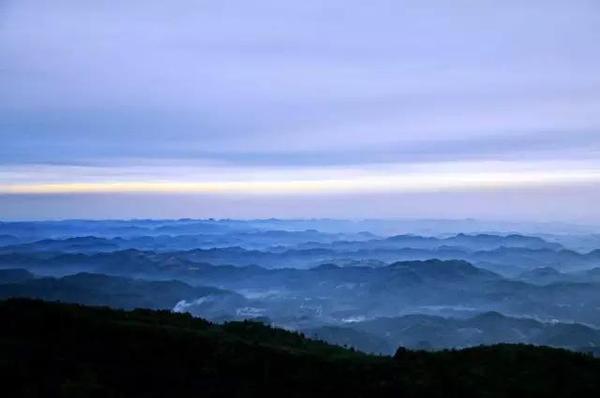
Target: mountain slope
98	352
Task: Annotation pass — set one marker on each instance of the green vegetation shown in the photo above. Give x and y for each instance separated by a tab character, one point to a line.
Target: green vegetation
64	350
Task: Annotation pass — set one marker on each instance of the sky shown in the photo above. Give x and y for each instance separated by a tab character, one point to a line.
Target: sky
258	108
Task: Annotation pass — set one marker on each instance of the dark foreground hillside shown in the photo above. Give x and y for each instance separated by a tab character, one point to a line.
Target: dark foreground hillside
59	350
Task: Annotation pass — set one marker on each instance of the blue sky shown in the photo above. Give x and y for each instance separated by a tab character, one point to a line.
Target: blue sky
305	108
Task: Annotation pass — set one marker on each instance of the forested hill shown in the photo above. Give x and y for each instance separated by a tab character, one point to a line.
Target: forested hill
60	350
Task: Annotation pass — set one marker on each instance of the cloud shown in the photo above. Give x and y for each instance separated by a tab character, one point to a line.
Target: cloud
546	204
151	91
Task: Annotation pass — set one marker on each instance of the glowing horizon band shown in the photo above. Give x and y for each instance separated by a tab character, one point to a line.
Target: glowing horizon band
397	183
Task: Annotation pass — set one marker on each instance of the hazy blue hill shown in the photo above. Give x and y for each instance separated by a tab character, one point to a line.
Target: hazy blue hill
83	244
490	242
407	286
543	275
326	267
450	270
509	255
158	238
14	275
591	274
460	242
548	275
570	335
435	332
98	289
526	258
277	266
8	240
193	227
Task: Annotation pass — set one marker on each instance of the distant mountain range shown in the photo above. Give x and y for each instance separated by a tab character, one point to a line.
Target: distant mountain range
344	302
434	332
99	289
330	277
510	255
